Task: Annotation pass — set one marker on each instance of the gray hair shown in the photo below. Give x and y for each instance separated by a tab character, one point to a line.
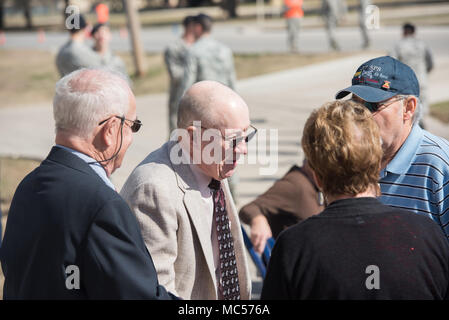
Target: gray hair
85	97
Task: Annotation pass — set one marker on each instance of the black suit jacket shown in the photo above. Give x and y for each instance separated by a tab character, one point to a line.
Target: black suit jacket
63	214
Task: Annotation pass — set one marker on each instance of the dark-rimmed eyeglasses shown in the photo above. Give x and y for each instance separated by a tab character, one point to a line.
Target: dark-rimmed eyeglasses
136	124
235	141
375	106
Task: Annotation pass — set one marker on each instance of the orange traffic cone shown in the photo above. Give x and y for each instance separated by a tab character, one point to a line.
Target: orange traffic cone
41	36
102	13
2	38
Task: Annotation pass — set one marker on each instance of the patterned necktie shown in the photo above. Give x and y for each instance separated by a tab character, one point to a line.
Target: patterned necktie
228	265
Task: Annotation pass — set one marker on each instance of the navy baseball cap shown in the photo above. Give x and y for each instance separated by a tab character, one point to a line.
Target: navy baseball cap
380	79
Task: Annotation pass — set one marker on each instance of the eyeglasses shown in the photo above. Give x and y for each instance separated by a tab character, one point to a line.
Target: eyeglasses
375	106
134	127
237	140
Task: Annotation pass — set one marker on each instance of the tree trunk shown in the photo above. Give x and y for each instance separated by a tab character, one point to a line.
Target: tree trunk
27	13
135	32
231	7
2	15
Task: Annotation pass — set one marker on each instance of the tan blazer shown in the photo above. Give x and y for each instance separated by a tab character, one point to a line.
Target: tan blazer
167	203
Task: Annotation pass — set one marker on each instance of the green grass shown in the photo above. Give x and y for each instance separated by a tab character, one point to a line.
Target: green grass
12	171
440	111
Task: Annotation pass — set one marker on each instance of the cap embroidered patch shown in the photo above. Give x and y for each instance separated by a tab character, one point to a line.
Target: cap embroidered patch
380	79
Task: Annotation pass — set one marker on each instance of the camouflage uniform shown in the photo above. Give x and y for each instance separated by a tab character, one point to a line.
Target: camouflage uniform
76	55
362	22
333	11
209	59
415	53
113	62
175	56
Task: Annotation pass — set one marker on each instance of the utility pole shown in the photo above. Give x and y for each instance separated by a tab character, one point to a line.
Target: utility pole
134	31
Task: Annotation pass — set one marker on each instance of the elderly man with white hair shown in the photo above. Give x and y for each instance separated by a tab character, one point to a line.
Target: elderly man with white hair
69	234
181	197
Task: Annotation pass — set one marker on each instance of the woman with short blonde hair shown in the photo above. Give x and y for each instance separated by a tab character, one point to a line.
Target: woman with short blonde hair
343	145
357	248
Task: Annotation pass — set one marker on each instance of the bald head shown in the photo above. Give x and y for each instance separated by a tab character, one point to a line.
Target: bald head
212	103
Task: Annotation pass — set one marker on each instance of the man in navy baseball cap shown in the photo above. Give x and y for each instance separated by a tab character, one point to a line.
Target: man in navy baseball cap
380	79
415	164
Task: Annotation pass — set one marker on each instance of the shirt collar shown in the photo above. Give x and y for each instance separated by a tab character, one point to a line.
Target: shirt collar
201	178
403	158
98	168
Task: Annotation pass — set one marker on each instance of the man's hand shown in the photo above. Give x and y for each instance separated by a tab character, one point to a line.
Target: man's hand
260	232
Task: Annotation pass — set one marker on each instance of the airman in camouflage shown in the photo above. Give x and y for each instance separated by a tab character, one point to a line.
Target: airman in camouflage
416	54
75	54
175	57
333	11
362	22
209	59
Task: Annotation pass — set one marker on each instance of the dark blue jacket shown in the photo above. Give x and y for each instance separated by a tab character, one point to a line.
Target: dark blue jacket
62	215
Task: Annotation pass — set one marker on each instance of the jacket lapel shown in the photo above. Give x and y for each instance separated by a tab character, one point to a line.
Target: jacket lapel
192	201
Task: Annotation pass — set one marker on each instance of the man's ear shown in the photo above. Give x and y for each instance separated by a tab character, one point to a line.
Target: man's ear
410	105
108	133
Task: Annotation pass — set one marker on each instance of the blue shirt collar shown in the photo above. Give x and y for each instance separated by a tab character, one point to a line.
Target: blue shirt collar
403	158
98	168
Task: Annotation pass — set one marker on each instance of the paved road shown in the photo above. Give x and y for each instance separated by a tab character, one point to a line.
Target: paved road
252	37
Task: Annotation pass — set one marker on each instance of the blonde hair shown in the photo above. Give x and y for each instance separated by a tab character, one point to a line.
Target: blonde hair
342	143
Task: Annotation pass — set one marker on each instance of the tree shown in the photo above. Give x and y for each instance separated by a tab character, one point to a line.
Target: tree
25	5
231	7
27	13
2	15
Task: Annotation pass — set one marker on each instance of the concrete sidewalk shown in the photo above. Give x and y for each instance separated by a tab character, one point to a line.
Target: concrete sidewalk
280	102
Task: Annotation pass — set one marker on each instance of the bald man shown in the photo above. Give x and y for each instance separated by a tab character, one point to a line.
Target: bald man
181	197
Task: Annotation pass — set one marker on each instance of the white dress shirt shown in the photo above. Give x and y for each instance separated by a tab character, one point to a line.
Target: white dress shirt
98	168
203	181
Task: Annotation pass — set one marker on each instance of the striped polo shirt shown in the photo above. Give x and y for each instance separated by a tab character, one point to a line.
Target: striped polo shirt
417	179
